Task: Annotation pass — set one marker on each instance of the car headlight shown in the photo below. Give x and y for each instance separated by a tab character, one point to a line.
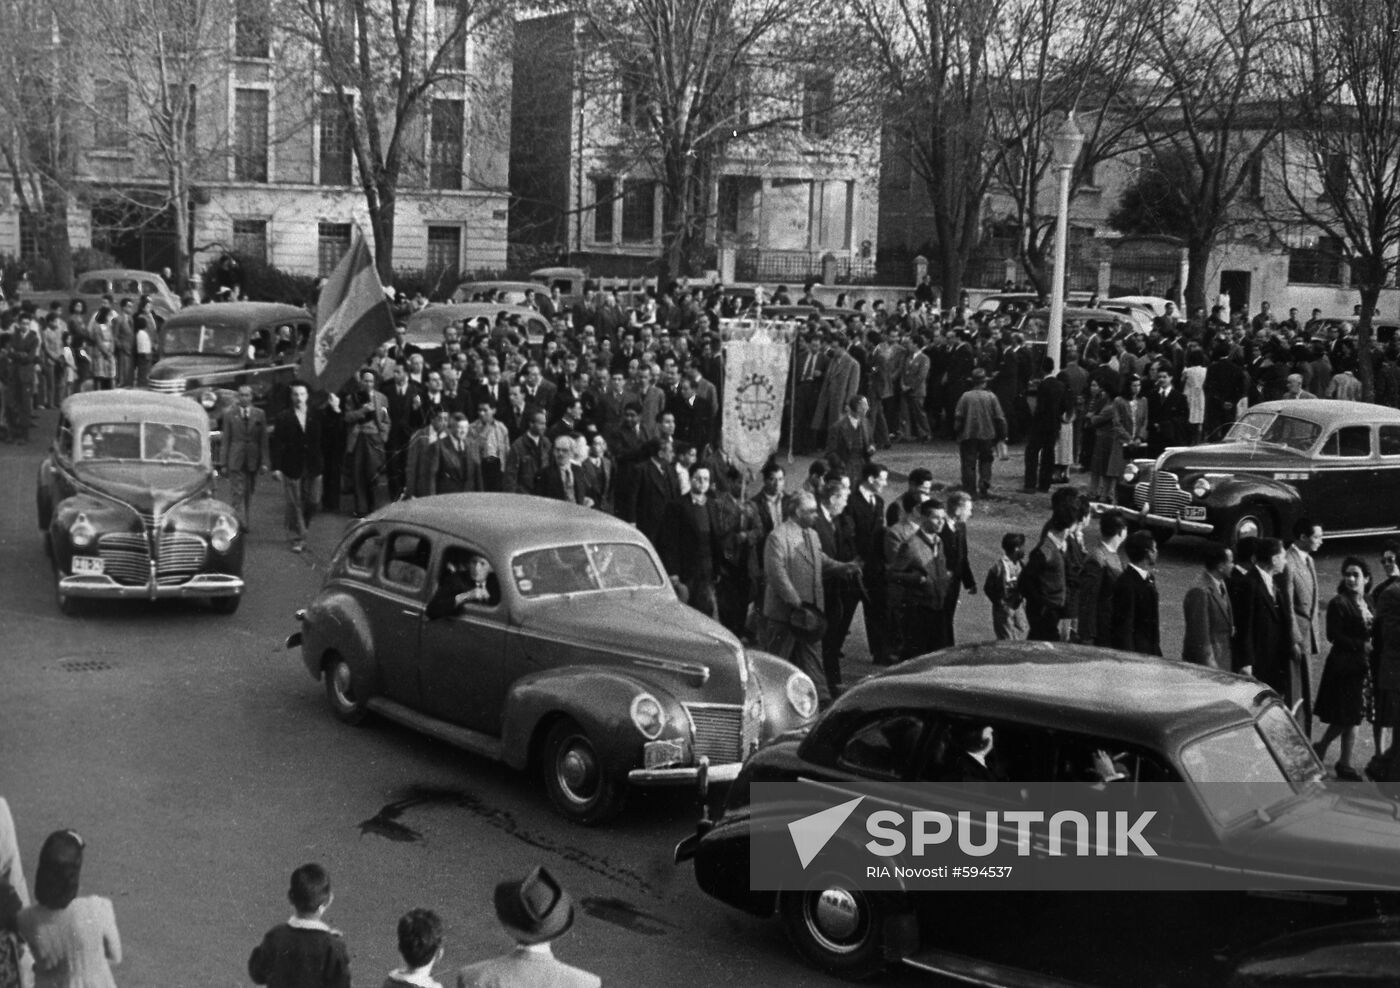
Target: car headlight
648	716
223	532
1130	473
1201	487
82	532
802	694
208	399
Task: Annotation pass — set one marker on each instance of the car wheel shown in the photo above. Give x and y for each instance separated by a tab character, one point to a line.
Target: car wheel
346	702
1252	521
68	605
579	785
225	605
836	926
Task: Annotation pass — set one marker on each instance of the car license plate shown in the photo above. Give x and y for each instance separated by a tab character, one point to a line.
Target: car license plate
87	566
1193	512
660	754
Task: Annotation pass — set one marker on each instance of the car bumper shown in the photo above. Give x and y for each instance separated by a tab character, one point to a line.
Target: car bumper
685	775
201	585
1151	520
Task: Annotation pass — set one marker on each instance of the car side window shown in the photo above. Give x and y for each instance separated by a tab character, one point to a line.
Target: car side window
1352	441
1018	754
883	746
1390	440
363	554
406	561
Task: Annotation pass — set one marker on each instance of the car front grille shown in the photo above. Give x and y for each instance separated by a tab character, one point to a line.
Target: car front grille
180	556
1167	496
719	730
169	386
125	558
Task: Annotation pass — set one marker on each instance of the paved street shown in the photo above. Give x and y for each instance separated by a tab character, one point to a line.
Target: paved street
201	764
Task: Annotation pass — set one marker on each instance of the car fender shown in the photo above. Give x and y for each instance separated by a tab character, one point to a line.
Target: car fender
599	700
771	675
1232	494
335	622
105	515
43	493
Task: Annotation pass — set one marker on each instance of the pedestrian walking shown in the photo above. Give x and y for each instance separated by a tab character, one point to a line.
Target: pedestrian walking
1264	648
74	939
1341	695
1042	582
866	509
420	946
920	568
1049	402
303	952
1002	588
689	541
420	477
1103	566
1135	623
837	534
245	453
979	425
1303	601
955	546
1210	617
297	462
366	418
535	911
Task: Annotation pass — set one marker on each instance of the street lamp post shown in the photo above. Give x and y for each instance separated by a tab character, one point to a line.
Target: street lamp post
1066	145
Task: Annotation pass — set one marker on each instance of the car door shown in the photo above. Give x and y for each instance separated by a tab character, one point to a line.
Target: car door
1385	481
394	604
1344	468
465	659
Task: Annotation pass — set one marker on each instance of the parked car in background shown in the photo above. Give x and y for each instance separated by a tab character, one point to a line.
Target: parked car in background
508	292
1238	796
1156	304
569	654
524	327
126	504
1338	462
1034	324
120	283
1015	304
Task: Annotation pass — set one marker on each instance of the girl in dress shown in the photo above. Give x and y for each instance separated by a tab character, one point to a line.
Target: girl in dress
1341	694
74	940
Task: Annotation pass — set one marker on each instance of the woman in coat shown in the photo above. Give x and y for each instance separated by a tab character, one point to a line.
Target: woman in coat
1129	425
104	351
1341	694
1099	419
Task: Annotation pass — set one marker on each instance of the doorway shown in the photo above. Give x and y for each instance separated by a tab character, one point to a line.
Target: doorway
1236	285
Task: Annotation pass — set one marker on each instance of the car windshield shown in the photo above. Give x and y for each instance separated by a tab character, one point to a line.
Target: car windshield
190	338
584	567
1272	427
1250	767
157	442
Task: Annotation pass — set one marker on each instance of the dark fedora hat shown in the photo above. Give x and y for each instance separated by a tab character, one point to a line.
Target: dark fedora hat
535	908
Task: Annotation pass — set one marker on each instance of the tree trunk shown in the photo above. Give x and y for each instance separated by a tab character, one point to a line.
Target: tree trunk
382	202
57	246
1372	271
952	265
180	201
1197	257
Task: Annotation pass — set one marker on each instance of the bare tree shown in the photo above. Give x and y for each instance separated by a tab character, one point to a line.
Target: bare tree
694	81
1054	57
1339	160
387	61
1220	60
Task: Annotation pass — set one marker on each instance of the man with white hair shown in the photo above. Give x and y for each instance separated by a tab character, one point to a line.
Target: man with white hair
1294	387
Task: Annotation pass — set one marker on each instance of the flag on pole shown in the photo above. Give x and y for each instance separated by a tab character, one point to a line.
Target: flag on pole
755	381
352	318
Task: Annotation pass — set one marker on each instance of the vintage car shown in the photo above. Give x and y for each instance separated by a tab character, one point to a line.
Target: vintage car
425	327
1337	462
1239	796
126	503
120	283
508	292
580	662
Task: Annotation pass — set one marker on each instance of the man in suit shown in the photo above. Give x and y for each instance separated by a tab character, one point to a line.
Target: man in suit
1135	621
971	758
1049	400
297	461
513	414
694	416
1102	569
599	474
1042	582
849	441
1302	598
539	393
920	569
562	480
840	384
534	911
245	452
612	402
456	461
954	536
811	367
1210	620
866	509
528	456
689	541
836	533
466	581
420	478
367	429
793	566
1167	414
1264	645
406	416
653	485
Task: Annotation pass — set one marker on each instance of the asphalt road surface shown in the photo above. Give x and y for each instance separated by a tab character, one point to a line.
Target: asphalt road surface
200	762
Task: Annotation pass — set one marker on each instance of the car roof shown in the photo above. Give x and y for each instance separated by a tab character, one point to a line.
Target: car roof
132	406
1328	411
110	273
234	312
507	523
436	316
1154	702
496	286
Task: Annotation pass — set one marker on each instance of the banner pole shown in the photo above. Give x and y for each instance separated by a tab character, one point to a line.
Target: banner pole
792	409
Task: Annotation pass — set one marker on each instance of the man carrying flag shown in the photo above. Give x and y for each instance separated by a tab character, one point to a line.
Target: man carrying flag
352	318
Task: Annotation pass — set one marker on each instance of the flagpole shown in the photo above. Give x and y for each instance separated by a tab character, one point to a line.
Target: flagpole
792	409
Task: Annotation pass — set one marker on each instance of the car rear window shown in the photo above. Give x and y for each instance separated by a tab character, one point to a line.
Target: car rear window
364	553
406	562
1348	441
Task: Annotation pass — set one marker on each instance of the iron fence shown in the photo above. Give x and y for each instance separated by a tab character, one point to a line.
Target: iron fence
796	267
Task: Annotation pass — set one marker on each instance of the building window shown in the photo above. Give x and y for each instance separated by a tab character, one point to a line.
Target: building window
251	20
332	241
638	211
604	195
446	13
335	142
818	95
110	109
1316	262
444	252
445	166
250	239
28	235
250	135
634	109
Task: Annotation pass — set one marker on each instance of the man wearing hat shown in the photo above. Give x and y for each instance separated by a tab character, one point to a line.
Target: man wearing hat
979	424
534	910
